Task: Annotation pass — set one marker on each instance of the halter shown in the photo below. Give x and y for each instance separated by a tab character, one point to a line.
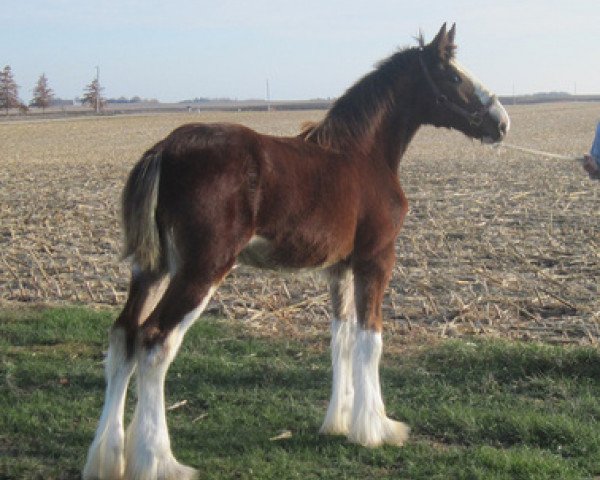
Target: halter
474	118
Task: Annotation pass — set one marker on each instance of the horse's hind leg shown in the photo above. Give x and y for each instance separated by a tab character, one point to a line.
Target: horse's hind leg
343	333
148	450
106	454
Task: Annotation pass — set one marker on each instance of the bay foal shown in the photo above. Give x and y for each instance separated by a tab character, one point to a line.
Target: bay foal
208	196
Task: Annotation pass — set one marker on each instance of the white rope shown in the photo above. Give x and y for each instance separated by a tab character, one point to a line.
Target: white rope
538	152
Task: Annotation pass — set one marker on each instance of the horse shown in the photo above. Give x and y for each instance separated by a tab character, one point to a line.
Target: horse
210	196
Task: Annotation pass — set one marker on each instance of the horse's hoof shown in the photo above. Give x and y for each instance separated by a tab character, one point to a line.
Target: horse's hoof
380	431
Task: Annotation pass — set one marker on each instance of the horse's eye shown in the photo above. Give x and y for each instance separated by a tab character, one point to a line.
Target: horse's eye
455	78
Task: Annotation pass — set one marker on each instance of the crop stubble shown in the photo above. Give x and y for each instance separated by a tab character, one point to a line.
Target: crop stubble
497	242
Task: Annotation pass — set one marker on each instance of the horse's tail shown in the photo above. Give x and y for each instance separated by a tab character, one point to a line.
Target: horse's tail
142	240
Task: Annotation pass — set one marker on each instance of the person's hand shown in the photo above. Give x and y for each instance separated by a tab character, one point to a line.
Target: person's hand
591	167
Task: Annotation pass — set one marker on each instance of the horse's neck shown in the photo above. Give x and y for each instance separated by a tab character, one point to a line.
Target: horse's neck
393	135
392	131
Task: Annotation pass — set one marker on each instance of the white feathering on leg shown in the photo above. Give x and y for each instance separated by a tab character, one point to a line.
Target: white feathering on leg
369	424
337	419
148	447
105	458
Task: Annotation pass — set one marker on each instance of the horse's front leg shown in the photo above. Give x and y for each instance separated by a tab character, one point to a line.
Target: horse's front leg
343	333
369	425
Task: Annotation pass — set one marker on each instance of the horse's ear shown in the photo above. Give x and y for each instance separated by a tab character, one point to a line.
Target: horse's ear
443	43
452	34
441	36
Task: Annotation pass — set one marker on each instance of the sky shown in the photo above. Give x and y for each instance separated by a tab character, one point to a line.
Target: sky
182	49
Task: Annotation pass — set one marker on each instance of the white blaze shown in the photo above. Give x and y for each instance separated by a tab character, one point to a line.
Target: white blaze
482	92
484	95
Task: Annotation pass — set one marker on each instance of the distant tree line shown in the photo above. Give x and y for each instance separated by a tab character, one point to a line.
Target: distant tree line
207	100
134	99
43	96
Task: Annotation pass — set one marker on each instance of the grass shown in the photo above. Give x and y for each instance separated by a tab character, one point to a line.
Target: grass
478	410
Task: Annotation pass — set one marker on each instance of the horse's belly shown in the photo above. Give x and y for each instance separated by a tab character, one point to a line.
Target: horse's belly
263	253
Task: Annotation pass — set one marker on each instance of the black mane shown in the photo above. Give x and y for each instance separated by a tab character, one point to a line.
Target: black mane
364	104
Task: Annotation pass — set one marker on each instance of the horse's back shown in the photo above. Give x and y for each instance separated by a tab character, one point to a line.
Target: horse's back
208	140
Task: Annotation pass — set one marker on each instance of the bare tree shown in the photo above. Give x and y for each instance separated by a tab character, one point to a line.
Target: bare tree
42	93
9	90
93	95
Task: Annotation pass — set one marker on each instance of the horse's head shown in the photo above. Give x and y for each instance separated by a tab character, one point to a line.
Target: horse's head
456	99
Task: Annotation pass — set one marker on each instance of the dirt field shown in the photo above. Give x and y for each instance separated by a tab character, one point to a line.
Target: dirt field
497	243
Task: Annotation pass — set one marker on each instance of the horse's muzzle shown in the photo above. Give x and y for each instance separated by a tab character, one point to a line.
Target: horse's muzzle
500	121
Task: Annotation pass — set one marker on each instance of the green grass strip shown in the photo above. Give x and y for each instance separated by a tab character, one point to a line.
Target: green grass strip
478	410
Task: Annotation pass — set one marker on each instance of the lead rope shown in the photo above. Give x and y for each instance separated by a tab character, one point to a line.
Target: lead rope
538	152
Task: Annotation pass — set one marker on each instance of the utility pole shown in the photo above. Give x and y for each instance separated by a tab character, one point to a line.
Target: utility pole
268	97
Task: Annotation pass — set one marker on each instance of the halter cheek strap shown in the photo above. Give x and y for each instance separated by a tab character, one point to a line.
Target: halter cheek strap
474	118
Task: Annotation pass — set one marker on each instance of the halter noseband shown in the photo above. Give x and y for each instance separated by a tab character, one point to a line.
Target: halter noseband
474	118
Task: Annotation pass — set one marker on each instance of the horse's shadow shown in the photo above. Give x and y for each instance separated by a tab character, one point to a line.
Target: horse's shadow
232	411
